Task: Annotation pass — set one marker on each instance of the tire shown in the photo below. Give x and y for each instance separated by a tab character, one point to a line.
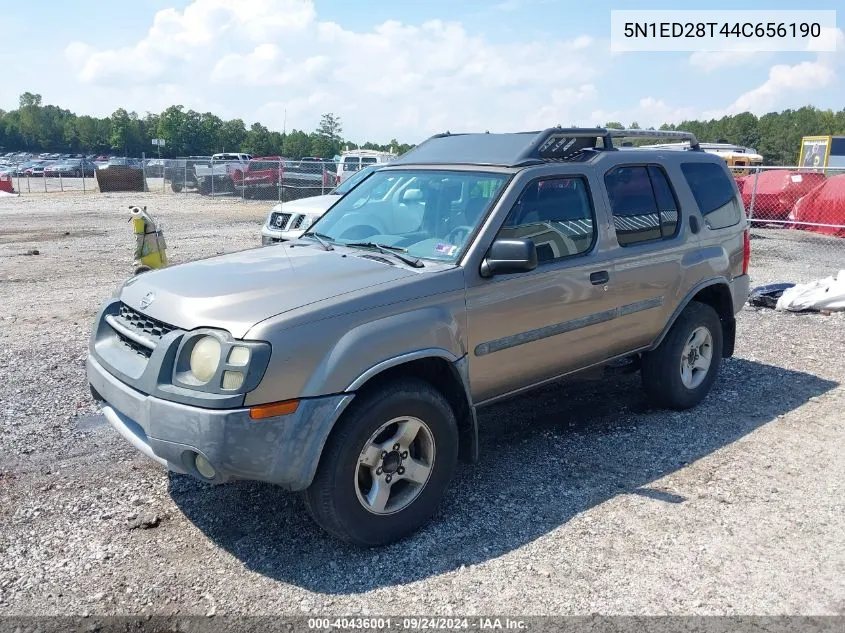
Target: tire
663	373
337	497
176	187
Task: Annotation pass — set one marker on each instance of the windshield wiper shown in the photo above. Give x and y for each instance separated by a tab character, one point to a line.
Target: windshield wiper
396	251
321	239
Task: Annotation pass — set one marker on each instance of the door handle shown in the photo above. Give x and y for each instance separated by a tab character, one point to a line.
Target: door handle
599	278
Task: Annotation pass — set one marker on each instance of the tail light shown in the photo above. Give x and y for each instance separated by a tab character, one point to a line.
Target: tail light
746	250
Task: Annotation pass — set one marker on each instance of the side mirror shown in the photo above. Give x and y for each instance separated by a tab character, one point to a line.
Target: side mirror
509	256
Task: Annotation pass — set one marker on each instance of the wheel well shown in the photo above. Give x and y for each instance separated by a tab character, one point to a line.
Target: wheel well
718	297
443	376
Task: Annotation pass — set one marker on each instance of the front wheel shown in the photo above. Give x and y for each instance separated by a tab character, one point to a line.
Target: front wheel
385	468
681	371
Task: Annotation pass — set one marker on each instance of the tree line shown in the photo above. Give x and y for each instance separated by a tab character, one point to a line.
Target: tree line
36	127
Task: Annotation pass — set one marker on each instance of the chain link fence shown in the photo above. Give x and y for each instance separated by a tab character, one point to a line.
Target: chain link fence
797	217
73	175
271	178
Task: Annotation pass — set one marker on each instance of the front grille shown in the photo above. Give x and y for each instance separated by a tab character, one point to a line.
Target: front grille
279	220
298	222
141	350
134	320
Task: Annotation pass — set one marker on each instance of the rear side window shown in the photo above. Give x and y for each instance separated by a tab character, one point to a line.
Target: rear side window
643	205
713	191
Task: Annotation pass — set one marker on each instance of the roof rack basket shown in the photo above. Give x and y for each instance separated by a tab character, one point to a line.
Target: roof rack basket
562	143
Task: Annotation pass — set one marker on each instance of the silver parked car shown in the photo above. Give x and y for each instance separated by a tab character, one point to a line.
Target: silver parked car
349	364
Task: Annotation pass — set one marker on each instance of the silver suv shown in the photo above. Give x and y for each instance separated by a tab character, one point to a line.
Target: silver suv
349	364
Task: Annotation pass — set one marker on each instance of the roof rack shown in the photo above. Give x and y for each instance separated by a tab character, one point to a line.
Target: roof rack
659	134
562	143
519	149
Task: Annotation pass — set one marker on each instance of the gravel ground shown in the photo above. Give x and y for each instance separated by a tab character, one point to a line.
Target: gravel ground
585	501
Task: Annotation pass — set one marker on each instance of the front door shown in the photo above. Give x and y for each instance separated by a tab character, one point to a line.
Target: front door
524	328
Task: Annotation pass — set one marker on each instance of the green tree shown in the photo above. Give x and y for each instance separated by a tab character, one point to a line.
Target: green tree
326	140
122	131
29	122
257	141
232	135
296	145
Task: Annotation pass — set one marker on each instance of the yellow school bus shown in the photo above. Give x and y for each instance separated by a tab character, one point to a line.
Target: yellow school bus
740	159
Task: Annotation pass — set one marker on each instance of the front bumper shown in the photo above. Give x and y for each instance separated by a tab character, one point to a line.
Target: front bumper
282	450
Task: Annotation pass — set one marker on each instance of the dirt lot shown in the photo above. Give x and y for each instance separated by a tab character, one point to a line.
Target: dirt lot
586	501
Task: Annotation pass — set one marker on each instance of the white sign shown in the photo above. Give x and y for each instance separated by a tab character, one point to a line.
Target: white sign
158	141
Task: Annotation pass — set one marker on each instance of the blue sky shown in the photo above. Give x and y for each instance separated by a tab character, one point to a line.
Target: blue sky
393	69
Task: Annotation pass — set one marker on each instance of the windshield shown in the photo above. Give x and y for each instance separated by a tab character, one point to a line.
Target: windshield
353	180
428	213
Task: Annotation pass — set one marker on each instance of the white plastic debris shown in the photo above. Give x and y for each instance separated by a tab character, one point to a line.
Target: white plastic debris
823	295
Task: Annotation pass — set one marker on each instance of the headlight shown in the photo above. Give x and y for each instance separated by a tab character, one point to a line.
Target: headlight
307	221
205	358
214	362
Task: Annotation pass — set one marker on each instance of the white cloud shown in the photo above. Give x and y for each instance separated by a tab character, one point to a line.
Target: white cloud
264	57
649	112
785	81
709	61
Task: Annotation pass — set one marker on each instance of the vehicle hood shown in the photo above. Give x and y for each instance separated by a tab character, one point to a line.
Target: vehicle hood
315	205
238	290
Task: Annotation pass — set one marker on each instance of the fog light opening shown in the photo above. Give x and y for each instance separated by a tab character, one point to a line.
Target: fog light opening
204	467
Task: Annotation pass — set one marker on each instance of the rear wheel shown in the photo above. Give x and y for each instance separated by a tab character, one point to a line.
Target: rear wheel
385	468
681	371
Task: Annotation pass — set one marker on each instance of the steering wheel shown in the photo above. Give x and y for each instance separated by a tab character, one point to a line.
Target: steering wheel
461	233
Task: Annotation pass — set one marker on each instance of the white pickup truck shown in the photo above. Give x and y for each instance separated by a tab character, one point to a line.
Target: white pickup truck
216	175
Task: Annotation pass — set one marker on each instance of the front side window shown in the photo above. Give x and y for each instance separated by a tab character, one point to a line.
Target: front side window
429	214
642	202
557	215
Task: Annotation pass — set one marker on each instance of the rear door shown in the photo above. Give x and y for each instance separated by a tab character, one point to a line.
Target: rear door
650	243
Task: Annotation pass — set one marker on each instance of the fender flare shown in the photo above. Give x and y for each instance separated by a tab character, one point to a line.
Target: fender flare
715	281
469	435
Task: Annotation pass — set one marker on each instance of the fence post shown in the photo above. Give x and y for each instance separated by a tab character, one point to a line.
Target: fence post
185	186
44	178
61	183
753	196
84	164
212	176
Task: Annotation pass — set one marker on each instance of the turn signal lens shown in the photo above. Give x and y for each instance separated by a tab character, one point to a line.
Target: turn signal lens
273	409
